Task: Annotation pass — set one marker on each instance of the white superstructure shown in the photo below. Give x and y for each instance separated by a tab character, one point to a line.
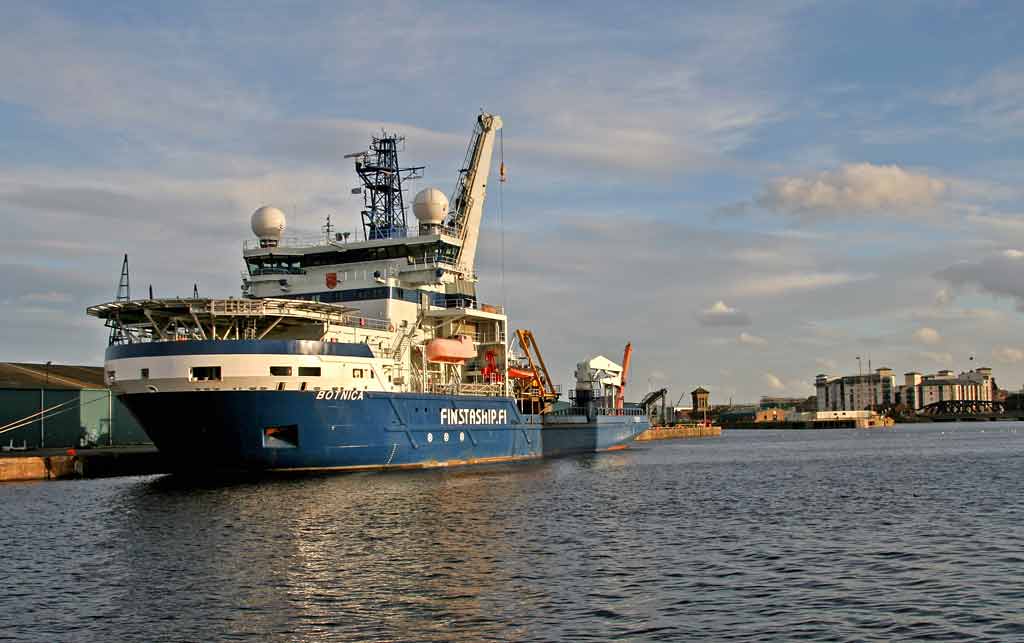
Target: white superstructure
407	296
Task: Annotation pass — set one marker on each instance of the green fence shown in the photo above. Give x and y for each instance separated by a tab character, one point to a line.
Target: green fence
54	418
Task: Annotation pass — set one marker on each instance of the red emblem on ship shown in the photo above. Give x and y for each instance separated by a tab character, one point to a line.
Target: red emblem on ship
332	279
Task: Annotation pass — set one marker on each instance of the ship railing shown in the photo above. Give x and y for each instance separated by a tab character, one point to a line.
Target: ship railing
426	264
570	410
301	241
600	410
468	303
487	338
464	388
450	230
368	322
259	272
607	410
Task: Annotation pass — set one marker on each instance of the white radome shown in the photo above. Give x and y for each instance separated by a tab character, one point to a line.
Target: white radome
430	206
268	223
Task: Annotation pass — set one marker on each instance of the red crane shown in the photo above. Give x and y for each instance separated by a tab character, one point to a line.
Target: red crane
620	398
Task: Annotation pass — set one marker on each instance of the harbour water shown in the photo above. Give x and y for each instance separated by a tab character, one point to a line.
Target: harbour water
913	532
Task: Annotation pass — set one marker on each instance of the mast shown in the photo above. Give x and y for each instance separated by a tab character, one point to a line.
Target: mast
468	198
384	216
118	335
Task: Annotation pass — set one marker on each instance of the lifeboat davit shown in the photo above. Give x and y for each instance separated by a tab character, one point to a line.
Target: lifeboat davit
452	351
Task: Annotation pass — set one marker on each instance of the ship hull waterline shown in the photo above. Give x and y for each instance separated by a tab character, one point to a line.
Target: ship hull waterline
295	431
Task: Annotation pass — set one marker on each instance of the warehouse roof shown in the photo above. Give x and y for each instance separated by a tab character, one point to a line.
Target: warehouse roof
55	376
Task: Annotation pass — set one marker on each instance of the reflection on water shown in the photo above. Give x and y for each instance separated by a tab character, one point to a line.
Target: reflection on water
854	535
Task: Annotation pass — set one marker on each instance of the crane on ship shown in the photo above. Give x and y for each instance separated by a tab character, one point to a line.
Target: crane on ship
535	391
620	397
468	197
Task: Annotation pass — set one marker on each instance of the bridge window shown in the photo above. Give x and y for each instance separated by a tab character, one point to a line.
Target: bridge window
204	373
281	371
309	371
144	373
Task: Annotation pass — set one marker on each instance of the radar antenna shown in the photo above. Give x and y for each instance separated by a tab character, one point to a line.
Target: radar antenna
384	216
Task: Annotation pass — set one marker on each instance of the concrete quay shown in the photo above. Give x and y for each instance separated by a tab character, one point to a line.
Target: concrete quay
64	464
677	432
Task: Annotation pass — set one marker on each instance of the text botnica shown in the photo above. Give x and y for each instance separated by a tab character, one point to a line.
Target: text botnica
474	416
344	394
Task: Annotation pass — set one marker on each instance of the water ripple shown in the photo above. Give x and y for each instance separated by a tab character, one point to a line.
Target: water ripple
912	533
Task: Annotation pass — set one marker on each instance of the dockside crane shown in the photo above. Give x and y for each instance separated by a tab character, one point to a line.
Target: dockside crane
651	399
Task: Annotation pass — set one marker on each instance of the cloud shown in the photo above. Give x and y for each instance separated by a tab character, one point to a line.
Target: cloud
944	359
774	382
751	340
732	210
993	103
826	363
854	188
927	336
943	297
1000	274
1008	355
957	314
792	281
1001	226
117	78
47	297
720	314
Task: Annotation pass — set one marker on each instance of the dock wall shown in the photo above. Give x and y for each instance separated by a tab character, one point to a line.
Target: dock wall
93	463
676	432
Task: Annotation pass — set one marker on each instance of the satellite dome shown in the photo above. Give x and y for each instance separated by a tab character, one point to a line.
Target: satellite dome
268	224
430	206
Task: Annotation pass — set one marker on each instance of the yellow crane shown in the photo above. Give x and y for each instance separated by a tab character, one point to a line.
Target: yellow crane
535	391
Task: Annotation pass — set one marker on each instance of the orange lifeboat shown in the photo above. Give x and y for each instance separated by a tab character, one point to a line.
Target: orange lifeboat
452	351
521	373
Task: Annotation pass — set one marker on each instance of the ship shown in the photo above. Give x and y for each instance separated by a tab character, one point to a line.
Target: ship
354	354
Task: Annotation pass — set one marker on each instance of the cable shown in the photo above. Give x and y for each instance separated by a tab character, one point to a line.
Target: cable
501	213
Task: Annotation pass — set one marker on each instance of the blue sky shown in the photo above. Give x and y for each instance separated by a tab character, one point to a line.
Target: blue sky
752	193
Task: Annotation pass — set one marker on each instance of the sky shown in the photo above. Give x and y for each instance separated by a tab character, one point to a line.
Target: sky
750	193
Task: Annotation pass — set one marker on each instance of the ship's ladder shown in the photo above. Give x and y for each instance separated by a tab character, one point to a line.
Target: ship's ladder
250	328
399	349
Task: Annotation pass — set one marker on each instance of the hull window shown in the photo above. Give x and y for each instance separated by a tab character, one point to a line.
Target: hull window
204	373
309	371
144	373
281	437
281	371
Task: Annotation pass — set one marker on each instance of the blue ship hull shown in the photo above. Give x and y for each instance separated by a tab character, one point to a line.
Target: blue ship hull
575	434
293	430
